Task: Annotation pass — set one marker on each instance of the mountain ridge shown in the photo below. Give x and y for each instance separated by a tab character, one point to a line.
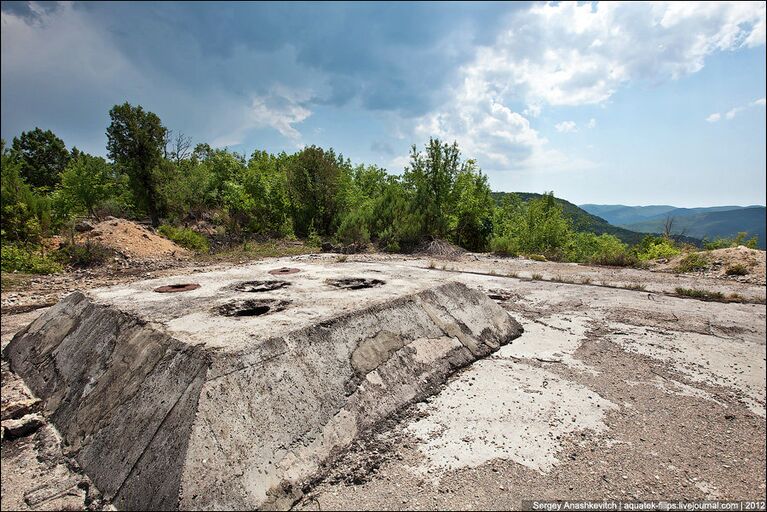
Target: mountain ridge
582	220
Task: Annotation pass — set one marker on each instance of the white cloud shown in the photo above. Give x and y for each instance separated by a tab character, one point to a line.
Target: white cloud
566	127
730	114
576	54
733	112
281	109
570	54
716	116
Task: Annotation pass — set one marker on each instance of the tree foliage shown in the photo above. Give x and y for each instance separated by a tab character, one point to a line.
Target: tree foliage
315	194
26	212
42	157
135	142
317	186
86	183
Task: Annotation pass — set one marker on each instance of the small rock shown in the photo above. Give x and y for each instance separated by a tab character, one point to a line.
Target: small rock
84	226
16	410
26	425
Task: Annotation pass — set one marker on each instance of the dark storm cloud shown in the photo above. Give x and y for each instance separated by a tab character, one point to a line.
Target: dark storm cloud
390	56
29	11
199	65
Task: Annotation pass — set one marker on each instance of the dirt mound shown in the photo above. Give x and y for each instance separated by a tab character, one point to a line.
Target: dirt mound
737	263
439	248
133	240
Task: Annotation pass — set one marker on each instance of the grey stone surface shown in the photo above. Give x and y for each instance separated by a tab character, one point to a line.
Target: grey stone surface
166	403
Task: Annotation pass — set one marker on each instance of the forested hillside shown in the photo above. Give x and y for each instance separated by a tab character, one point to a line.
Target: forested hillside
620	215
712	224
584	221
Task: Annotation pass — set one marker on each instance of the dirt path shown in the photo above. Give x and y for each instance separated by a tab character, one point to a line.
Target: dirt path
609	393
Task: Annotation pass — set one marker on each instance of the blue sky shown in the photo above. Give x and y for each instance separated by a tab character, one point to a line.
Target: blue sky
631	103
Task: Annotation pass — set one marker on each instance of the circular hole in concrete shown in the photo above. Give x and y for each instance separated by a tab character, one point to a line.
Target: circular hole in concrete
260	286
252	307
175	288
354	283
283	271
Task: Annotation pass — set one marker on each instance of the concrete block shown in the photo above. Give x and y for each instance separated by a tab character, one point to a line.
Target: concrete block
237	391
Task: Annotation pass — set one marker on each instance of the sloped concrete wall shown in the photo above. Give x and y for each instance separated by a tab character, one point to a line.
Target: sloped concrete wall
122	395
158	423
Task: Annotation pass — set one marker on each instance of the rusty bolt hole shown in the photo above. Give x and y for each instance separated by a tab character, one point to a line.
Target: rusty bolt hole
252	307
260	286
283	271
354	283
175	288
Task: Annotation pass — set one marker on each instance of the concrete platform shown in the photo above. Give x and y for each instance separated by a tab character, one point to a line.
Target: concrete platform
232	389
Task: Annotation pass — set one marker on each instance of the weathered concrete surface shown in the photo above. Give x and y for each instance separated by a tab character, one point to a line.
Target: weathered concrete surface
167	401
608	394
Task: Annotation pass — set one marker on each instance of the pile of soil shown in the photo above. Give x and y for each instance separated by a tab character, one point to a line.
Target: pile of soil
133	240
719	261
439	248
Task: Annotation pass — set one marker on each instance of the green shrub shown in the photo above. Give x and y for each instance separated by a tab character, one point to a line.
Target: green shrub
185	237
724	243
353	230
313	238
504	245
19	259
692	262
388	241
535	227
699	294
618	259
653	248
88	254
604	249
736	270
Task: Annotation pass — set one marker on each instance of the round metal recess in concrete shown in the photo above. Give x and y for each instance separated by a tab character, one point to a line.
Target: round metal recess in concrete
176	288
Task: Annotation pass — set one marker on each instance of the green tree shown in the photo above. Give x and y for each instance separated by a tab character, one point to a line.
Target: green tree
136	142
42	157
535	227
189	191
25	213
473	206
317	182
87	182
430	177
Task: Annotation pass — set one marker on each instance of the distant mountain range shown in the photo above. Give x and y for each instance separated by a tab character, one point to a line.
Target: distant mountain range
710	222
583	220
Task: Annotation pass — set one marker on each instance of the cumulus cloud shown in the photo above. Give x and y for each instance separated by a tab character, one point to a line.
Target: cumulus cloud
573	54
497	136
592	123
716	116
566	127
281	109
730	114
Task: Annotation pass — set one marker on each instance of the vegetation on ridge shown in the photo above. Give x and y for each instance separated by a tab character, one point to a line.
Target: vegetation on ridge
201	193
